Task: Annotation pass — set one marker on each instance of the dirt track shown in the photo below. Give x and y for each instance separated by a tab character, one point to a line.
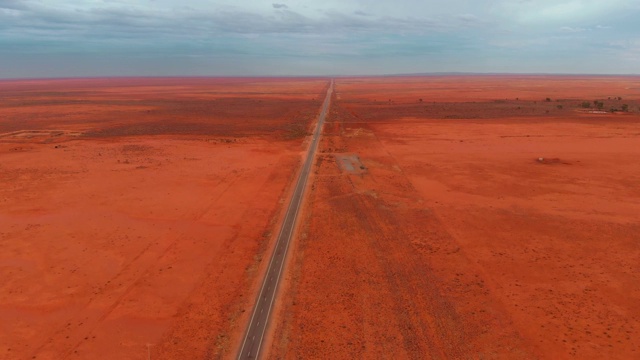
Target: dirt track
455	240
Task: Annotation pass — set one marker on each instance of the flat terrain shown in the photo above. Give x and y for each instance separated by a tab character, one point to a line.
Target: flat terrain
471	217
134	212
266	298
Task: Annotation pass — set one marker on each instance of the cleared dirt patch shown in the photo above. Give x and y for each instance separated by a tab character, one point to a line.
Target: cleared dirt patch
350	163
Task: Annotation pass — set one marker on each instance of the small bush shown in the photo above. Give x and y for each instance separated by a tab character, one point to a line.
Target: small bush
559	107
586	105
625	107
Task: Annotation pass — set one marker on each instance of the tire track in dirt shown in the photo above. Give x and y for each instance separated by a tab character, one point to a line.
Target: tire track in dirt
425	264
417	329
137	269
389	266
194	332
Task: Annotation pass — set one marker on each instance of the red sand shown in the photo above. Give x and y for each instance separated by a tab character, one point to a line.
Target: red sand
134	212
449	238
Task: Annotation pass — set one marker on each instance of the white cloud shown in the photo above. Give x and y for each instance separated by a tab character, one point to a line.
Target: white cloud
545	11
569	29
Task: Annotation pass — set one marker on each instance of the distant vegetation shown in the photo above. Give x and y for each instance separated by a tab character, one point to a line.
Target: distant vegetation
600	105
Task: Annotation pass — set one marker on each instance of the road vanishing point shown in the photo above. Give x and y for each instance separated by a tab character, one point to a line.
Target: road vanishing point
254	336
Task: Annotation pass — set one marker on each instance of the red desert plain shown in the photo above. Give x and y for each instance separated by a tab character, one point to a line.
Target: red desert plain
134	212
471	218
446	217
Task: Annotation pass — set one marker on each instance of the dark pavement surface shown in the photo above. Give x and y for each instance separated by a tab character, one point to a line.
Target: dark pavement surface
252	342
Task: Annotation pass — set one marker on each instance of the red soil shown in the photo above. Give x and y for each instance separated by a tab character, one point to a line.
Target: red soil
134	212
454	239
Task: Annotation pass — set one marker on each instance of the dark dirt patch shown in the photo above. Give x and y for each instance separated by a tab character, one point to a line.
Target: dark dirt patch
361	110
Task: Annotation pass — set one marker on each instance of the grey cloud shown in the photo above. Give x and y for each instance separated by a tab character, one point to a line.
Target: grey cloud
469	18
338	31
128	22
569	29
13	4
361	13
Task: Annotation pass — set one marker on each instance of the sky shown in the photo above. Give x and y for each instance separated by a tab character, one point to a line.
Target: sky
75	38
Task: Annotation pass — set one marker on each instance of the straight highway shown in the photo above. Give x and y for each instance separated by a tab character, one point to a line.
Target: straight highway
254	336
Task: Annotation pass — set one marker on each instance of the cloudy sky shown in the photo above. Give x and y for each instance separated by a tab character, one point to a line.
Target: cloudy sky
53	38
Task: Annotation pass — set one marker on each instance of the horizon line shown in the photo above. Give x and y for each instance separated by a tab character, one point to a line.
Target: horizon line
420	74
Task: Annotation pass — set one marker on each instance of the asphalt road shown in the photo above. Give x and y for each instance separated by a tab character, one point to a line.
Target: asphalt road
253	338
